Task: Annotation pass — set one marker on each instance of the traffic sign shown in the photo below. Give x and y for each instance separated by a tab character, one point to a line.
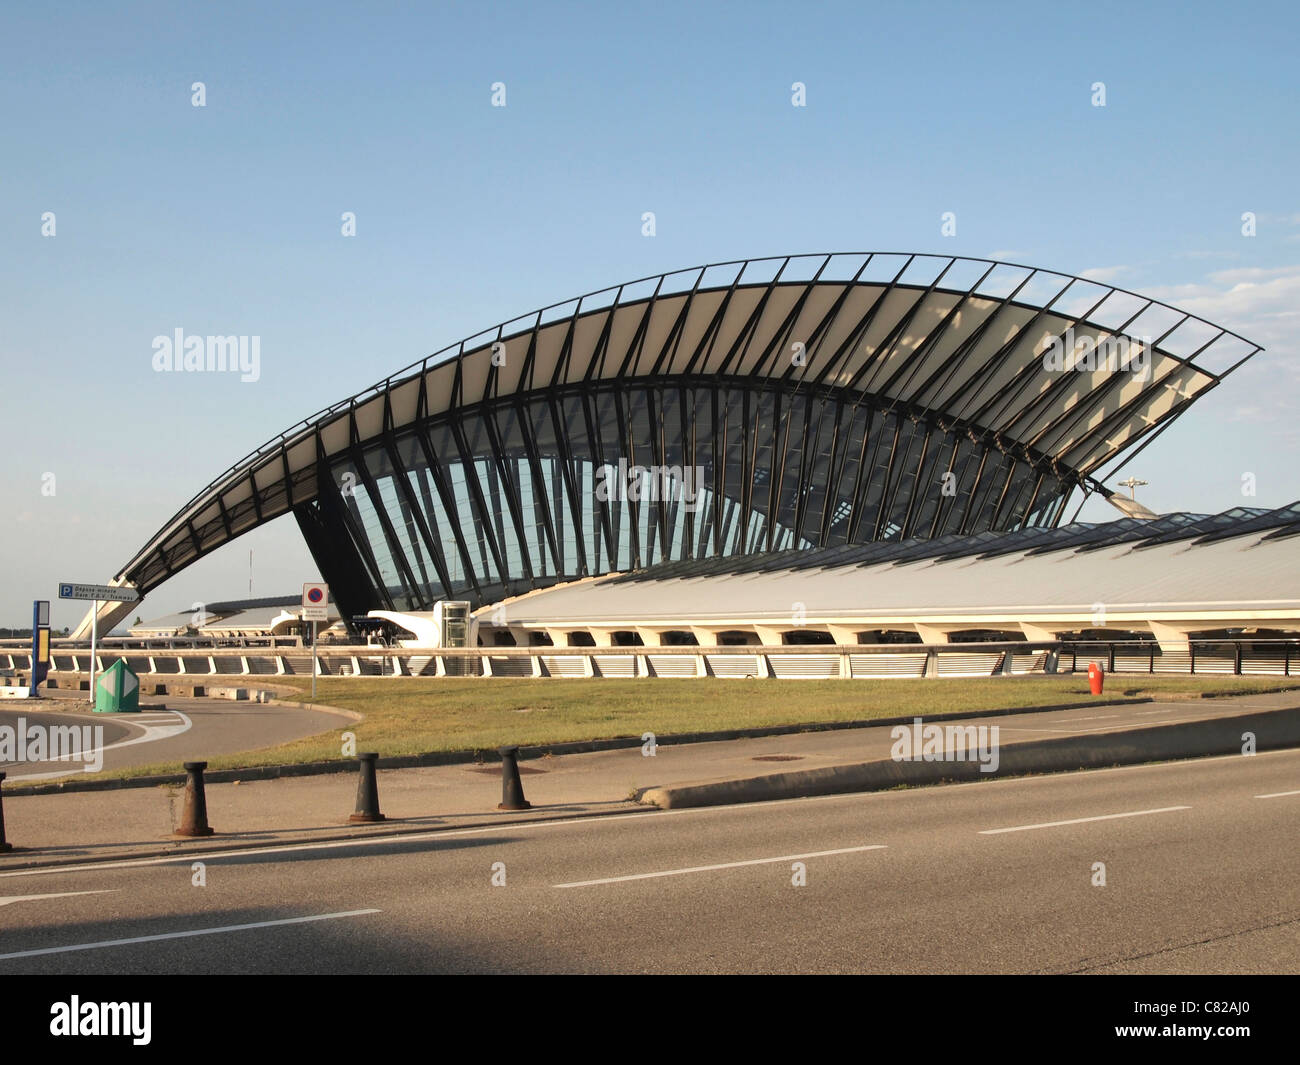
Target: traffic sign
315	602
98	592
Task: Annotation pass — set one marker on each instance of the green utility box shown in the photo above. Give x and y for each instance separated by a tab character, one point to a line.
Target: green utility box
117	691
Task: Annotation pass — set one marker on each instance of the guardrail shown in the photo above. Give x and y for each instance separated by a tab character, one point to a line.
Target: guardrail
1234	657
810	661
804	661
153	643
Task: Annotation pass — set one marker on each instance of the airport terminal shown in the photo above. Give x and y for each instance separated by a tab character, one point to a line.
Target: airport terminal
795	466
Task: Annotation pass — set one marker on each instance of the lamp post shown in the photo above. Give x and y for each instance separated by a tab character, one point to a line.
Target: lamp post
1132	484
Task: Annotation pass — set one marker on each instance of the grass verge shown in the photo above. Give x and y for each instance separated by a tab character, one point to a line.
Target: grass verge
413	715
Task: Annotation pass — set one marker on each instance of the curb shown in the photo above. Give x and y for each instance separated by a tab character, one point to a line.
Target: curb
471	757
1274	729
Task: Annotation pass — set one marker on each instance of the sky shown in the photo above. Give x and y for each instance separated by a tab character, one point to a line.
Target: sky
127	212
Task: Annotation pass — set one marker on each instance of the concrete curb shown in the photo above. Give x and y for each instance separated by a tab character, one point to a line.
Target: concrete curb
473	757
1273	729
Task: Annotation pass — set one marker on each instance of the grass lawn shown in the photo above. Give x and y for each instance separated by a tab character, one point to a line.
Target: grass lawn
412	715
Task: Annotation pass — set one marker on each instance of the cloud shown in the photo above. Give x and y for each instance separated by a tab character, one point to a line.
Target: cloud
1219	254
1261	304
1105	274
1253	273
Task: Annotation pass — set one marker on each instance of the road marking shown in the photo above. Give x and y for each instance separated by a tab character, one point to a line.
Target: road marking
184	935
1277	794
6	900
150	732
329	845
724	865
1081	820
1127	725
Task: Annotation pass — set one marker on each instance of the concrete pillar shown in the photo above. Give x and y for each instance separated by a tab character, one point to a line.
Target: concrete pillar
704	636
843	634
1036	633
650	637
930	634
1169	637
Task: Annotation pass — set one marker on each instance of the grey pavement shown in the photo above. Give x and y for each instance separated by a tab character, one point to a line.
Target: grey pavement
168	730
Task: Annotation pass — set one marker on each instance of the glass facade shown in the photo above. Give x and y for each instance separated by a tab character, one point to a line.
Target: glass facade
540	487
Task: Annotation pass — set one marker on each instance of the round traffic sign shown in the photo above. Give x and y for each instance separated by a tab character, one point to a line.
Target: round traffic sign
314	595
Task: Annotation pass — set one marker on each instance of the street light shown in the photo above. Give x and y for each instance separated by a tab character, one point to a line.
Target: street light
1132	484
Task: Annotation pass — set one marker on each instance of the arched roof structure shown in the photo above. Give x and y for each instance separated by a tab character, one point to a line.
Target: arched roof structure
824	400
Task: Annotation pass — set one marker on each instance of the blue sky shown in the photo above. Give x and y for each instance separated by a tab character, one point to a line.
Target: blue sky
225	219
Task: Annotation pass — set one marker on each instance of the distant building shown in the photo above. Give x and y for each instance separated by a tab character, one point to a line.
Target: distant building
276	616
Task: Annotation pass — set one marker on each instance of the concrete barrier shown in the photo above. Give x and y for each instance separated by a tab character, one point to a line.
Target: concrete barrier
1273	729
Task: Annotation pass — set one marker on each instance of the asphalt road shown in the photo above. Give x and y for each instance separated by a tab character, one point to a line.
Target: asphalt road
1202	875
113	732
187	729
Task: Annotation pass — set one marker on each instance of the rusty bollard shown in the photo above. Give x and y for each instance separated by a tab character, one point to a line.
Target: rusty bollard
4	845
367	790
194	817
512	789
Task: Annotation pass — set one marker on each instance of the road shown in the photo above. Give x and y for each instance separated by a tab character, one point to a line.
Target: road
1202	874
186	729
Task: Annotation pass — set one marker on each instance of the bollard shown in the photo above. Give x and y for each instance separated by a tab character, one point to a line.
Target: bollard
4	845
1096	678
194	817
367	791
512	789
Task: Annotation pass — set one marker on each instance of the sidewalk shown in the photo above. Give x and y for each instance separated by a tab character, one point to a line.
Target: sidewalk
84	826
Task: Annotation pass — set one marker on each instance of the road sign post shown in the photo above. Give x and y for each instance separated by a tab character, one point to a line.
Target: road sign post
94	644
96	593
315	607
40	644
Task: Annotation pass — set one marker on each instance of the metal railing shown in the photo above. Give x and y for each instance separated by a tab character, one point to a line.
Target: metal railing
177	659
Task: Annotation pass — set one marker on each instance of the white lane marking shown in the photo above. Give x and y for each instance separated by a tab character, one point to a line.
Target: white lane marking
1277	794
723	865
1081	820
328	845
184	935
149	734
1078	731
6	900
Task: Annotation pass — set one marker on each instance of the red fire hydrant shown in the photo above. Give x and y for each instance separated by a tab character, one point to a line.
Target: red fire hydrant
1096	677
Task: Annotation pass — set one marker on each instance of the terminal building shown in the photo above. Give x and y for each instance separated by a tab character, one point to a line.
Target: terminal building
836	448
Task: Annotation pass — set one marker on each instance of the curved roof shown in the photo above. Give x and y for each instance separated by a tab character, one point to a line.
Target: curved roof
1244	561
956	340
